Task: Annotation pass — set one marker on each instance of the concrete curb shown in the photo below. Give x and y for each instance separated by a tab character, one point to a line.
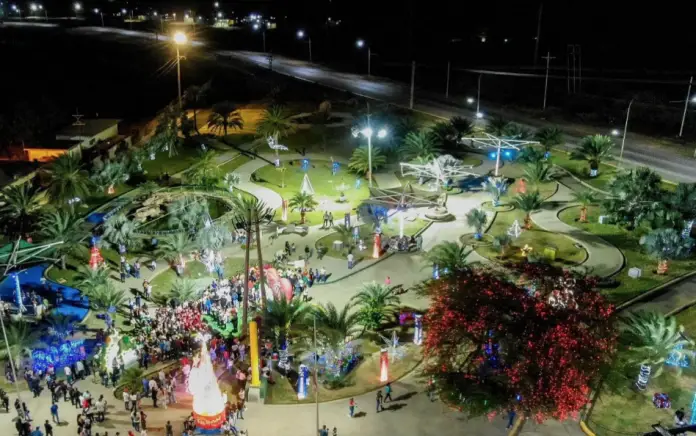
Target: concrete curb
583	183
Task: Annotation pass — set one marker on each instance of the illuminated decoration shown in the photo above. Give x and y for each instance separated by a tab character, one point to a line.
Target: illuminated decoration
305	164
283	361
302	382
662	401
306	187
401	223
436	271
678	357
692	421
284	217
377	247
18	294
662	267
346	220
441	169
65	354
524	251
334	168
564	296
687	229
254	353
522	187
356	233
274	145
383	366
95	257
643	377
405	197
497	187
583	214
594	172
208	401
491	141
111	190
515	230
417	329
396	351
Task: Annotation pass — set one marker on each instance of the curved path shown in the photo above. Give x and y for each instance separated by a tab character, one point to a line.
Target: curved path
603	259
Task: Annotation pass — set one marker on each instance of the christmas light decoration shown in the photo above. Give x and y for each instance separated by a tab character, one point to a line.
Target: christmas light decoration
383	365
692	421
302	382
436	271
58	357
678	357
377	247
306	187
208	401
418	329
285	210
95	257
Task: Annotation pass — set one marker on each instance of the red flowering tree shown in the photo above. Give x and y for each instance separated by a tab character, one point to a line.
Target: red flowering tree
494	343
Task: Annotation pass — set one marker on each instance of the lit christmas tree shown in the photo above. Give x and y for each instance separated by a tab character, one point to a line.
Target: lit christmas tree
95	258
208	401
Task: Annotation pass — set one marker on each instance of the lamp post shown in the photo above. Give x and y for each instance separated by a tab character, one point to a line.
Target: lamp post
686	105
301	35
101	14
257	26
360	43
367	132
548	58
179	38
478	98
623	139
78	7
18	10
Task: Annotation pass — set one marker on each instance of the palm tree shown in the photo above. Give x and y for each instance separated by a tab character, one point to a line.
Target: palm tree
585	198
183	290
21	337
443	134
231	180
304	202
194	96
539	172
549	137
501	243
67	180
60	326
21	202
528	202
359	162
344	322
88	280
376	303
497	187
108	175
119	231
63	226
496	126
649	339
132	378
286	319
462	126
214	237
275	123
107	298
344	232
477	219
175	247
224	115
593	149
188	213
516	131
420	145
166	137
666	245
404	126
206	172
448	256
531	155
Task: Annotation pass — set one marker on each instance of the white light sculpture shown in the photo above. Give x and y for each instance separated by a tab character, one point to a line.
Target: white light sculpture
442	169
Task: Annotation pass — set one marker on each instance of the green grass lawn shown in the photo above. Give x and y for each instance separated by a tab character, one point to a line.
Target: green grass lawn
164	280
186	157
366	234
629	244
581	170
324	184
687	318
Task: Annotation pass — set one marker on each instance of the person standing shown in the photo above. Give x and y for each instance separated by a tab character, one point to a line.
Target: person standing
351	258
135	420
168	429
331	218
54	413
379	401
351	407
387	392
387	281
511	418
37	432
126	399
48	428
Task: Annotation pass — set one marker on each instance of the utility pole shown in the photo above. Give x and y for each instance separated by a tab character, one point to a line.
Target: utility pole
548	58
478	96
623	139
413	82
178	75
245	303
257	219
369	61
9	354
263	35
686	105
309	39
538	34
448	79
270	61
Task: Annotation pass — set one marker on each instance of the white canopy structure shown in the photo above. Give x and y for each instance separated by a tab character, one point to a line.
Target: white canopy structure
442	169
492	141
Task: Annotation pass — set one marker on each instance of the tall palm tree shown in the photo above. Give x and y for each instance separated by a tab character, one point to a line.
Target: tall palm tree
188	213
585	198
88	280
194	96
286	319
120	231
594	149
376	303
531	155
63	226
132	378
206	172
21	337
21	203
420	145
477	219
174	247
359	162
166	137
275	123
344	232
108	175
496	126
462	126
649	339
443	134
345	322
403	126
448	256
539	172
67	180
225	115
666	245
303	202
528	202
549	137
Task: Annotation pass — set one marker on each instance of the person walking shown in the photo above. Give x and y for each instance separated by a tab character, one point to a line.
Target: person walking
379	401
37	432
351	407
169	430
54	413
135	420
387	392
511	418
48	428
331	218
324	431
387	281
351	258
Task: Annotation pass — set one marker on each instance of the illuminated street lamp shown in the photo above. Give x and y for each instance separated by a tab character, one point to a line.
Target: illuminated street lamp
615	132
216	4
78	7
18	10
101	14
301	35
367	132
479	115
470	100
219	14
360	43
257	26
179	38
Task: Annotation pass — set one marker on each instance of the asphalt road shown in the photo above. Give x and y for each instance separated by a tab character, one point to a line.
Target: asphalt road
639	150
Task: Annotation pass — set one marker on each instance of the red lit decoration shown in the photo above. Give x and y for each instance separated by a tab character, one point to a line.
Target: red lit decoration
377	248
521	187
95	258
383	365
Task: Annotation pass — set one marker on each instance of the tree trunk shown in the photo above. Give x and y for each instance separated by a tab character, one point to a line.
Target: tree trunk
245	302
195	121
258	249
62	262
302	216
528	221
583	214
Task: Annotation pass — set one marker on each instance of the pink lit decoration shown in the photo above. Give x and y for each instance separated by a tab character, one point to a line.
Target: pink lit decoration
278	285
285	210
522	187
378	246
383	365
95	258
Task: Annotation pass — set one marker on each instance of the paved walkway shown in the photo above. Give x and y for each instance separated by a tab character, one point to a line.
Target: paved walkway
387	179
673	299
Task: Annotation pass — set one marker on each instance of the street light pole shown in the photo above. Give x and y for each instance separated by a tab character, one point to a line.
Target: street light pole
309	39
623	139
263	35
478	96
316	383
686	105
9	354
548	58
369	61
448	79
497	157
413	83
101	14
178	75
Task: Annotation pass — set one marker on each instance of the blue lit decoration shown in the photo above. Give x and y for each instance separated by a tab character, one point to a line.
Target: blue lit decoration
337	362
491	349
64	355
678	357
418	329
507	154
334	168
594	172
692	421
687	229
305	164
303	382
356	233
643	377
436	271
357	183
492	155
283	357
547	155
18	294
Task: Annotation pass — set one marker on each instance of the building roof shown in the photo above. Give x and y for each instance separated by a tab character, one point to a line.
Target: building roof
89	128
